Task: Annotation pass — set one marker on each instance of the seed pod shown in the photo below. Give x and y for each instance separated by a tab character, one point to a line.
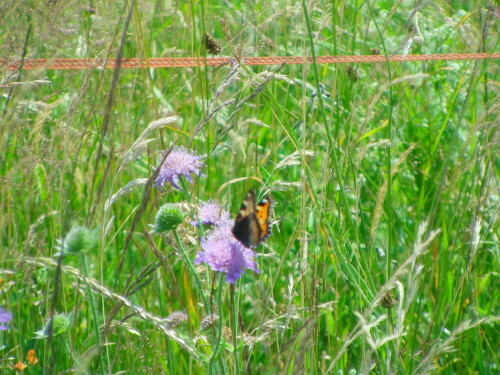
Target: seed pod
212	45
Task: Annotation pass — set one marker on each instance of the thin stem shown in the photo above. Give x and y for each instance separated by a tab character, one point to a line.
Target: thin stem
332	152
90	294
215	353
234	323
67	347
193	272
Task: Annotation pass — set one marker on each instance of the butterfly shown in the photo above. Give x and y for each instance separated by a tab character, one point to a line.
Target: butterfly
251	226
211	44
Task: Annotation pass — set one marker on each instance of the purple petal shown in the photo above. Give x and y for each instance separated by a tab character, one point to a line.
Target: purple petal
5	316
179	162
224	253
211	213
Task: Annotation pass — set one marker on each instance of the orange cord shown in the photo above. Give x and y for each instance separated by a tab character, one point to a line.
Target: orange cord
179	62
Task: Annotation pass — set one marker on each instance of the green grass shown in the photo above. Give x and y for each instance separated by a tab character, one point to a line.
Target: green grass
387	181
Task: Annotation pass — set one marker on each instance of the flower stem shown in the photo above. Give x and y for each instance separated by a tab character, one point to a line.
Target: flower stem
216	350
185	190
193	272
91	297
234	322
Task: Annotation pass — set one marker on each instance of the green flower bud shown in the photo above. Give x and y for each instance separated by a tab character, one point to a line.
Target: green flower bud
168	217
78	239
60	324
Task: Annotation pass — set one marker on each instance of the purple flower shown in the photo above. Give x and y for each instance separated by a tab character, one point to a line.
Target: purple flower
211	213
180	162
224	253
5	317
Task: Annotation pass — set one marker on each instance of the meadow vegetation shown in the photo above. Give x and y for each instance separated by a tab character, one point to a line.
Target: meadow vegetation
384	254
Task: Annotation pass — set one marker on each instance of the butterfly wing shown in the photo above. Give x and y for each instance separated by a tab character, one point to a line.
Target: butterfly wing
262	211
251	226
245	227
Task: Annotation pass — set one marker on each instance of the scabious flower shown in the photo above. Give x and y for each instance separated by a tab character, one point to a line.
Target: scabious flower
5	317
224	253
210	213
180	162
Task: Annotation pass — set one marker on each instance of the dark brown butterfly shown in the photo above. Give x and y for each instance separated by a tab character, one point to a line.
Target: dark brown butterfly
251	226
211	44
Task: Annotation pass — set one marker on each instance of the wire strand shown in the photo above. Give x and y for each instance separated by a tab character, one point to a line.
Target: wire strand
184	62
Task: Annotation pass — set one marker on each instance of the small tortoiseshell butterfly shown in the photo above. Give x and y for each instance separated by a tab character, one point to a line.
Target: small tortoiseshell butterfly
251	226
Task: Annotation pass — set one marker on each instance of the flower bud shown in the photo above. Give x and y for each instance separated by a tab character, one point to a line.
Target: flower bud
60	324
168	217
78	239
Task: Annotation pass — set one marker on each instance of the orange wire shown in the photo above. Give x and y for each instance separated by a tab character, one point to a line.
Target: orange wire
180	62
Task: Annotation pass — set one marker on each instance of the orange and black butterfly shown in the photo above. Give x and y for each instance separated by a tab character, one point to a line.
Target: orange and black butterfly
252	226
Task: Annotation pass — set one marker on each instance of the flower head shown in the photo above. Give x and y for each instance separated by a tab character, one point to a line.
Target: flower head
210	213
180	162
5	317
209	321
224	253
175	319
31	357
388	300
20	366
168	217
78	239
60	323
